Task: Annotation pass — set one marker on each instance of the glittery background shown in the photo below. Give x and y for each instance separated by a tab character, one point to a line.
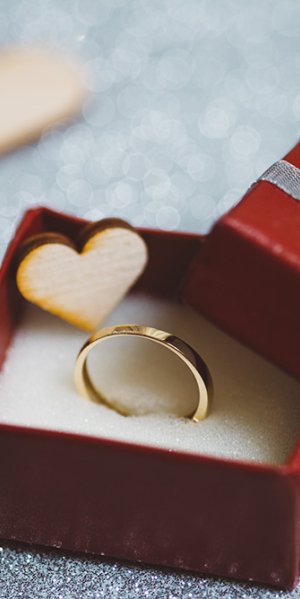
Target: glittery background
190	101
34	574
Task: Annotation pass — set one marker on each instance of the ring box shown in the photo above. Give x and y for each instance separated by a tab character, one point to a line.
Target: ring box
169	508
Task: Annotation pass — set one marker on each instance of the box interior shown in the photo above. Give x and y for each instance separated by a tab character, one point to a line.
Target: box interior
255	412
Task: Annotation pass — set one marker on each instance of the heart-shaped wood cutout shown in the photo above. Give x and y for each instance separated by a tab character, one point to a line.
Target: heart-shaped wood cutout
39	90
81	286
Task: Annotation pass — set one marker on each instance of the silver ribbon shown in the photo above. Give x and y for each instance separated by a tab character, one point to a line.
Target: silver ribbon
284	175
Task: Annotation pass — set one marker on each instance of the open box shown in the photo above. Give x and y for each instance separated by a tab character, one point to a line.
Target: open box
160	505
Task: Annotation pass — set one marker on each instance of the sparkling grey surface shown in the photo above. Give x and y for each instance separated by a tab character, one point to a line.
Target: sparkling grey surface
190	101
43	574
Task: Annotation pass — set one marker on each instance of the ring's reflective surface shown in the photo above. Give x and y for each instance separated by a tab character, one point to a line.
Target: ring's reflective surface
180	348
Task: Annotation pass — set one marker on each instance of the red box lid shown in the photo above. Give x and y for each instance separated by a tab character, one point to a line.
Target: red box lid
251	260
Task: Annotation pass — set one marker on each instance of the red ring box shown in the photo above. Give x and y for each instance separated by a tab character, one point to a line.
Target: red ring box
199	513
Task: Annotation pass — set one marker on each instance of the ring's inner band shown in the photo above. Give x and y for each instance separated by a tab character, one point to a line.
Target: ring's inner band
141	377
133	376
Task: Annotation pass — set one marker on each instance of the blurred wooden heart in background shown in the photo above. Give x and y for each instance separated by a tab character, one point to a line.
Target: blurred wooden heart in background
39	89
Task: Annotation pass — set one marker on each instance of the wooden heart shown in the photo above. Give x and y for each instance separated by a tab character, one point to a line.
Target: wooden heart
39	90
82	286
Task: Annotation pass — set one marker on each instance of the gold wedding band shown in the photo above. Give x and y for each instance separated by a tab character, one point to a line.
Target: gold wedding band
184	351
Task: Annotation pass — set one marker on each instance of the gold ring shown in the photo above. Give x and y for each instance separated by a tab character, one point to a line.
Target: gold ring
184	351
